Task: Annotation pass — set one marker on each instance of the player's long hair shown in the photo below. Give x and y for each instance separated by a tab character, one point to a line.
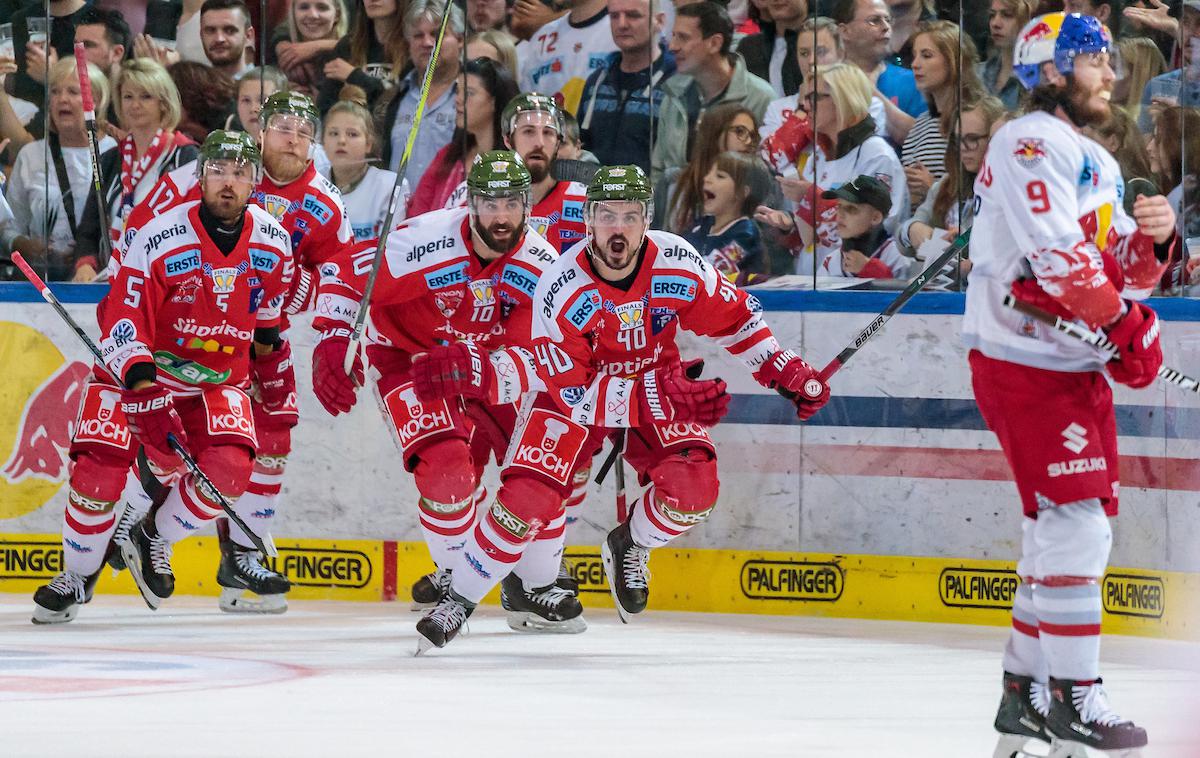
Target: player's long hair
960	57
709	143
958	183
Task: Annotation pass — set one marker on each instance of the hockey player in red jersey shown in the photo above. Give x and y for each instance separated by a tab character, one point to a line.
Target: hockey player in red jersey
192	314
604	356
1051	228
463	276
310	210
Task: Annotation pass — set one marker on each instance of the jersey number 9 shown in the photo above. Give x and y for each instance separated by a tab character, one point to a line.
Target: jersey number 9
1038	195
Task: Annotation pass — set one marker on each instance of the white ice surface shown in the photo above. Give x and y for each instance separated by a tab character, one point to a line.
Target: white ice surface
339	679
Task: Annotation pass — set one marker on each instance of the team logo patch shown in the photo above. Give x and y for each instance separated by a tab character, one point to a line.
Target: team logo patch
181	263
414	420
1030	151
225	279
185	291
549	445
673	288
448	302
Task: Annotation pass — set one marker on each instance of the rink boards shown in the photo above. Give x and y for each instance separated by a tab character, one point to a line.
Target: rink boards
899	464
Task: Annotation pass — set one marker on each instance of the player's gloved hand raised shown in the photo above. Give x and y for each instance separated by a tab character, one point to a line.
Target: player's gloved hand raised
454	370
275	378
668	394
332	386
150	413
1136	336
791	376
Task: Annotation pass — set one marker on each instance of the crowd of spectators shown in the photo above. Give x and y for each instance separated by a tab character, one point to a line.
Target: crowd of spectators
825	139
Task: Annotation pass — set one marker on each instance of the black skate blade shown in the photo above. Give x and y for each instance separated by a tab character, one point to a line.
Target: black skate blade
133	562
610	574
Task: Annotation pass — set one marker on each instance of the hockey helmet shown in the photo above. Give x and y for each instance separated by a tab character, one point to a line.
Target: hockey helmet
229	145
498	173
1058	38
292	103
530	102
617	184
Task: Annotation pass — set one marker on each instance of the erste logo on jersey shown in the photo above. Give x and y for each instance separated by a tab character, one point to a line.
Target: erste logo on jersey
585	305
673	288
182	263
414	420
519	279
549	445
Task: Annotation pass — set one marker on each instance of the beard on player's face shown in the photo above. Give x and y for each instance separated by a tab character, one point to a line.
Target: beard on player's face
617	251
499	234
1088	106
225	201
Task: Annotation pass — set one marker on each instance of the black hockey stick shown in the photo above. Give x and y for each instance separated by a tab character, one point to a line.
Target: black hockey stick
568	170
1095	339
49	297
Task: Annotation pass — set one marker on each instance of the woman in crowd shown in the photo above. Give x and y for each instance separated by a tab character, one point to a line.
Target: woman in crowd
351	143
1141	61
938	51
205	95
303	45
370	57
839	98
48	199
252	90
495	44
727	235
148	110
679	197
1120	136
947	209
1006	19
488	87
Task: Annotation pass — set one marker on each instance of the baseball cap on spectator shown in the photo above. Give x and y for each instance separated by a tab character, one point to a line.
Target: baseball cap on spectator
864	190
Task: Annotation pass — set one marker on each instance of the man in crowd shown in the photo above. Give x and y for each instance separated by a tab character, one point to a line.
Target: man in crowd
771	54
866	27
615	114
225	33
487	14
560	56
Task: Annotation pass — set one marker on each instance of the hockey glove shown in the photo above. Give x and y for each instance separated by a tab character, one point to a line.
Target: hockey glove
457	369
331	385
1136	336
667	394
276	381
787	372
150	413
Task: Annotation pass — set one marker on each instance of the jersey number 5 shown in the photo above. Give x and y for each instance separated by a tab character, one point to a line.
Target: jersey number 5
1038	195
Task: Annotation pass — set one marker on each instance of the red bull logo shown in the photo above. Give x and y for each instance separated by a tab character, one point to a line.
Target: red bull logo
1029	152
38	404
1040	30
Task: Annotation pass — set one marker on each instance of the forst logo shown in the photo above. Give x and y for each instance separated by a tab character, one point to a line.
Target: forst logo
322	567
978	588
792	580
39	402
1129	595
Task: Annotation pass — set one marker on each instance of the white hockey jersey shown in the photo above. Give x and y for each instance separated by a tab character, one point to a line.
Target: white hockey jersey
367	203
560	56
1048	200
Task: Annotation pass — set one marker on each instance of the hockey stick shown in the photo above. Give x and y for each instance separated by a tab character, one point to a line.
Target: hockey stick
1095	339
49	297
402	169
622	505
89	117
569	170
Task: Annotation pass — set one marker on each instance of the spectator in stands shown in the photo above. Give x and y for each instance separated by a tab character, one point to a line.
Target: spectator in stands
1175	149
938	51
866	27
485	89
1120	136
907	16
302	46
48	198
497	45
1141	61
371	56
1006	19
572	142
948	207
351	143
866	250
679	197
148	109
707	74
1107	11
838	99
1174	87
188	44
399	107
206	96
486	15
528	16
64	15
615	112
771	53
560	56
225	32
252	90
727	235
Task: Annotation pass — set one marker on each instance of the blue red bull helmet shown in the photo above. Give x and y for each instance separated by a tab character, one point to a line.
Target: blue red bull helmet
1058	38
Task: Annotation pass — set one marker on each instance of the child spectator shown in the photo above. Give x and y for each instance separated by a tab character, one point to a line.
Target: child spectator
350	142
867	250
572	145
727	236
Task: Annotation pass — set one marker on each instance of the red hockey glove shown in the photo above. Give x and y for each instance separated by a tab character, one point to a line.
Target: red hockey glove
667	394
1136	336
276	381
457	369
332	386
150	413
787	372
1029	291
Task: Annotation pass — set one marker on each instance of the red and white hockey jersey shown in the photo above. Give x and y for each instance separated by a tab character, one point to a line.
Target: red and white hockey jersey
1049	200
178	302
432	288
592	341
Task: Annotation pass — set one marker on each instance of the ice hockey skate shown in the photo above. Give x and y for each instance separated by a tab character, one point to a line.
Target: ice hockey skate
58	602
148	558
548	610
1083	725
1021	718
625	564
566	579
247	586
427	590
444	622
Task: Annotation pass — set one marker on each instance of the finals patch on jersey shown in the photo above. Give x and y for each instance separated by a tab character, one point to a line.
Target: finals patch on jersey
277	205
629	315
225	279
484	291
1030	151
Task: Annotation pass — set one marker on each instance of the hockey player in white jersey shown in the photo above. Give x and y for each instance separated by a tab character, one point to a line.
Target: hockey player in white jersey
1050	228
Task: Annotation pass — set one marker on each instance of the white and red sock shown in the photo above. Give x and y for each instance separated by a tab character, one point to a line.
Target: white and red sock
446	525
88	525
184	512
1023	653
649	527
539	563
